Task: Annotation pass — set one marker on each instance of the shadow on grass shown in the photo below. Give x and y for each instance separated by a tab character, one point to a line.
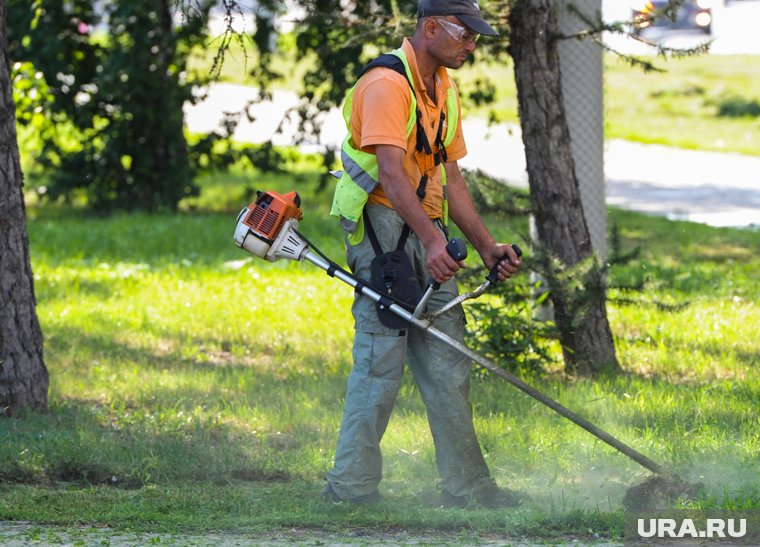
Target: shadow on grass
49	291
199	354
147	416
83	444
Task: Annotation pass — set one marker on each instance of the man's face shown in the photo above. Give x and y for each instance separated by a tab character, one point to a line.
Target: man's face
454	41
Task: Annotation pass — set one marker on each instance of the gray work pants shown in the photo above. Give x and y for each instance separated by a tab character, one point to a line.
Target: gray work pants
441	374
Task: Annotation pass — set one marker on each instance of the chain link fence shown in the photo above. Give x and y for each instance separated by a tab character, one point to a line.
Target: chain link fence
582	86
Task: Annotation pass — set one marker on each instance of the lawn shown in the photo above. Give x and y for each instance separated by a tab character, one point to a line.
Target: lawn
195	388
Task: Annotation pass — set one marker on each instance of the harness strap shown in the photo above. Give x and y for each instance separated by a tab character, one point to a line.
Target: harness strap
405	232
422	141
422	186
441	154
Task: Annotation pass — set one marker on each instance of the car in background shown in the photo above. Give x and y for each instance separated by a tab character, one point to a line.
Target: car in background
692	15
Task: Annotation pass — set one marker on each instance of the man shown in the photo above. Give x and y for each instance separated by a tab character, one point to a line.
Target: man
394	177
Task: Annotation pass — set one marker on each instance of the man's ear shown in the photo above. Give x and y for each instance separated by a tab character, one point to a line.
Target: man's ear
430	27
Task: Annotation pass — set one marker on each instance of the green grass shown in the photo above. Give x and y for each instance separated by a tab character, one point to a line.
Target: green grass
708	102
689	105
196	388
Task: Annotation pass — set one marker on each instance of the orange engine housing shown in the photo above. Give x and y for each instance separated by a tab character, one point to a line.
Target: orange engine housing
270	211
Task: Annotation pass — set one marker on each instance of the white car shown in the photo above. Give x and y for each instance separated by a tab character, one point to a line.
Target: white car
693	14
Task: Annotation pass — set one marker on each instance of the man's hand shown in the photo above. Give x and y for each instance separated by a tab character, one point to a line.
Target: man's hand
439	262
467	218
505	256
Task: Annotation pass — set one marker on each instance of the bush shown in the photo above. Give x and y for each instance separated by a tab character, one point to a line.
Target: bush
119	97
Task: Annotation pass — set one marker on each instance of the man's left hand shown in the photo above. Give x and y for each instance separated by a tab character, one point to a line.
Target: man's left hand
505	255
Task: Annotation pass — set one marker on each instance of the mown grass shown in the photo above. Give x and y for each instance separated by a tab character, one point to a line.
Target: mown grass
195	388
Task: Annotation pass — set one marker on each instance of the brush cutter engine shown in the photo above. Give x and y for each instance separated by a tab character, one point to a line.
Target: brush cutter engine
268	227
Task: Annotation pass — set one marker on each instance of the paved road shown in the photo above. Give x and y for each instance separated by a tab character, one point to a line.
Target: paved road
713	188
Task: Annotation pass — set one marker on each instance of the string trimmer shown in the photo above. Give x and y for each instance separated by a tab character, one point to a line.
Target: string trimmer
268	229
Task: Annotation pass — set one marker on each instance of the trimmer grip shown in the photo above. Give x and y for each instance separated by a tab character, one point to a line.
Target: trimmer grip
493	276
457	250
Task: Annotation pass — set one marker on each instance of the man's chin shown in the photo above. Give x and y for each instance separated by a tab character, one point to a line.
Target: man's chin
457	63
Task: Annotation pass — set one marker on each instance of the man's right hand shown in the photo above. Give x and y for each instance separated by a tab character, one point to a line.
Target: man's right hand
439	262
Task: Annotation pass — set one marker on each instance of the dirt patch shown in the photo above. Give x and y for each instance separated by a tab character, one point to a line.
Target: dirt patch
70	472
14	473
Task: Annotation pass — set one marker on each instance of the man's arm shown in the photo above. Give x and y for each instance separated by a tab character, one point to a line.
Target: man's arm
463	213
395	183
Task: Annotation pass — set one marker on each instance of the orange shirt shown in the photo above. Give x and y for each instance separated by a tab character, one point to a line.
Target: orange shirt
380	111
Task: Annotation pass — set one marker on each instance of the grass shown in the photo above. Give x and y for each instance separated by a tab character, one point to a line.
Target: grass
194	388
707	102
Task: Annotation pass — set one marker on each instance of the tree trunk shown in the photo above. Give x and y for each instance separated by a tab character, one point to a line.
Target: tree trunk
23	376
579	310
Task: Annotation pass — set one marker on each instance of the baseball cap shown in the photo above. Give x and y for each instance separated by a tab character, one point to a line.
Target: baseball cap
467	11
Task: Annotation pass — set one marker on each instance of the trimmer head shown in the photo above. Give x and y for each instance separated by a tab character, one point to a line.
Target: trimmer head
660	492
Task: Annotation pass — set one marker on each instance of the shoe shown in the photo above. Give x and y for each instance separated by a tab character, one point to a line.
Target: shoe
329	495
487	494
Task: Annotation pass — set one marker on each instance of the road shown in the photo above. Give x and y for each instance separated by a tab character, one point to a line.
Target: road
714	188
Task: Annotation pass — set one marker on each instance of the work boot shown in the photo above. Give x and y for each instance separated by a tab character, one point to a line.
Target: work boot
329	495
493	497
487	494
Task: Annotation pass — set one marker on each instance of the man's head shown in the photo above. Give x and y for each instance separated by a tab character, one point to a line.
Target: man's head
467	11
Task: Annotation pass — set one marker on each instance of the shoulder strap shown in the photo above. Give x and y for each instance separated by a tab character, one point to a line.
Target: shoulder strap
371	233
388	60
405	232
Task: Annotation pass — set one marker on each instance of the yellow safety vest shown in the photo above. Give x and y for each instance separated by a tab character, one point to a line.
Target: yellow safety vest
360	170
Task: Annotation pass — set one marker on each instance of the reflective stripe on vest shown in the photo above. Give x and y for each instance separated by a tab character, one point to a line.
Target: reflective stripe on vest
360	170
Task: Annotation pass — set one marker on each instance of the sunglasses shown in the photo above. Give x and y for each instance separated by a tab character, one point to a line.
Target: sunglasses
458	32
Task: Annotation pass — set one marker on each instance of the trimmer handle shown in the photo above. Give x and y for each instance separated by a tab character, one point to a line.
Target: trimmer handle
457	250
493	275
